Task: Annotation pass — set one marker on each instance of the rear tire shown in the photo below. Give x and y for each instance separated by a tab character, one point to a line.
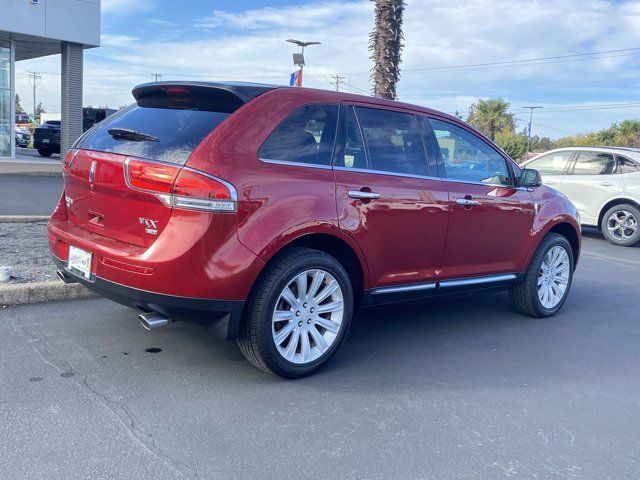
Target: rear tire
545	285
45	152
298	313
620	225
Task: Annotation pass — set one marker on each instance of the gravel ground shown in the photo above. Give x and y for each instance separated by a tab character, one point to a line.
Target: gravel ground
24	248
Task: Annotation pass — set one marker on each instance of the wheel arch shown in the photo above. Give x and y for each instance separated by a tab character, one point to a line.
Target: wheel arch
573	237
612	203
341	249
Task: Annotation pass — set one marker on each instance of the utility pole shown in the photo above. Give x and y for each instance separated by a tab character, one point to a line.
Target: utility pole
298	58
34	80
338	80
156	76
531	109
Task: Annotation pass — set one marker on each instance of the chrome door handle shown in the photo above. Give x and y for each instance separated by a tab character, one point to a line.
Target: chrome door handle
607	184
359	194
466	202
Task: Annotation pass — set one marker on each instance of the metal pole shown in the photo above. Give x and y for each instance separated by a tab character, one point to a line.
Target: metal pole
302	67
531	109
338	81
34	79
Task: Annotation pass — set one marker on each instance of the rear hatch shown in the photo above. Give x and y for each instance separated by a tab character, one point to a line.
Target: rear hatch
156	134
47	133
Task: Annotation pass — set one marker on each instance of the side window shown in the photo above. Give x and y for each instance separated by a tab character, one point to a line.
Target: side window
468	158
349	147
593	163
305	136
393	141
627	166
552	163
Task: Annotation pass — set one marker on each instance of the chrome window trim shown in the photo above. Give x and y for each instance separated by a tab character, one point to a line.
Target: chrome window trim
384	172
295	164
471	182
404	288
463	282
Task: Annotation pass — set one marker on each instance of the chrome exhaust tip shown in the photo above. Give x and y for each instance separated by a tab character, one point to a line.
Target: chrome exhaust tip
64	277
151	321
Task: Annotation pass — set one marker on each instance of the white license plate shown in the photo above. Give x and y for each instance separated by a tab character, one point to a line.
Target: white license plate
45	140
79	261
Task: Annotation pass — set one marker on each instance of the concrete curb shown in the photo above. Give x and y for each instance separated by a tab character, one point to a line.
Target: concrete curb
30	168
37	292
23	218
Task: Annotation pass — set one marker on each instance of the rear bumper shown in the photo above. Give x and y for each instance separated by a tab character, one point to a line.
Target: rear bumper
223	316
52	145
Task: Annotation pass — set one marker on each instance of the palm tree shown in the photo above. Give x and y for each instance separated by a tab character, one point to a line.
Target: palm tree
628	132
385	44
491	116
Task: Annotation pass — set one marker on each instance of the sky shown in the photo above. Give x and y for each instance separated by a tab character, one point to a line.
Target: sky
245	40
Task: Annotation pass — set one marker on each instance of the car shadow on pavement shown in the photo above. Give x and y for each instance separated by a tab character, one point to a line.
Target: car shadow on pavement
594	233
471	342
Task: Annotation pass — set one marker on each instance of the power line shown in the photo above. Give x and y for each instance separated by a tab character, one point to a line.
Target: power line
508	62
578	108
357	88
526	62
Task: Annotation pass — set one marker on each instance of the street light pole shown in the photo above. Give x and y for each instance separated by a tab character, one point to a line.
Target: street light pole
300	62
531	109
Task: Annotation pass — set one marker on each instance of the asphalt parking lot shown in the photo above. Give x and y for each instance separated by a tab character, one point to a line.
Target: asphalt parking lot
459	389
43	194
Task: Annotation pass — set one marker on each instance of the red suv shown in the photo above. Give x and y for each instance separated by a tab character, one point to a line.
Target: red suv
271	213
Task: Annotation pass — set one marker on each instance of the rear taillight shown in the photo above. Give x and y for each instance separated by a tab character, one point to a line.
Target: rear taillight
181	187
68	159
152	177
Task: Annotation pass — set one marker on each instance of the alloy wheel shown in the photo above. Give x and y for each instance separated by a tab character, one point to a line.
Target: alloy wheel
308	316
622	225
553	277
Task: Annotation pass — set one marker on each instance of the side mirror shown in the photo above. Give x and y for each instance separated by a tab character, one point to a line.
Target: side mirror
530	178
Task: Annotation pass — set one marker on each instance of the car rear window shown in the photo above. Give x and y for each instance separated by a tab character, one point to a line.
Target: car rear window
179	120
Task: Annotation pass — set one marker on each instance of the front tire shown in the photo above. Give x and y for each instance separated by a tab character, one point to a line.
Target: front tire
547	281
45	152
620	225
298	314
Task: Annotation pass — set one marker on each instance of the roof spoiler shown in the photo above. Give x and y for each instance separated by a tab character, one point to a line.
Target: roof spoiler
221	97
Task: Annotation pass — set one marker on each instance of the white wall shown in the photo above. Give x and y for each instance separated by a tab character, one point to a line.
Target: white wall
75	21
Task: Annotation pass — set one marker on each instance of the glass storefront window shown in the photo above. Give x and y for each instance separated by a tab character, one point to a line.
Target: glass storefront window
6	125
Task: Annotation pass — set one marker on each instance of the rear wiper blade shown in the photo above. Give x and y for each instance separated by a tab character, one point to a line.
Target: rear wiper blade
128	134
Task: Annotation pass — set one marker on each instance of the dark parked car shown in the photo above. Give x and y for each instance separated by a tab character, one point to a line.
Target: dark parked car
271	213
46	138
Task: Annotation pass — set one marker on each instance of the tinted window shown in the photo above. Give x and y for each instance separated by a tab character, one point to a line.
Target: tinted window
393	141
178	122
305	136
468	158
592	163
350	147
627	166
551	164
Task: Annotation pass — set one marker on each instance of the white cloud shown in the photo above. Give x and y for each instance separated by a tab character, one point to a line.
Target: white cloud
250	46
125	7
118	41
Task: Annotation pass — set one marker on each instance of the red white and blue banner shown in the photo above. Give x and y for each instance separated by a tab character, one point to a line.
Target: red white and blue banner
296	79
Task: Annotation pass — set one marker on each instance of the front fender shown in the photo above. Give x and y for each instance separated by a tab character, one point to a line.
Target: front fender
553	209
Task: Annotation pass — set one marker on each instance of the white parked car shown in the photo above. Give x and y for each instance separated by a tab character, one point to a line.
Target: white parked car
602	182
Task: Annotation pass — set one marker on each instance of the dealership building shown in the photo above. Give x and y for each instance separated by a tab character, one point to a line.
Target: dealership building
38	28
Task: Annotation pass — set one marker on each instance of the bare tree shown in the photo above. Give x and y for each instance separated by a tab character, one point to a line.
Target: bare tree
385	44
